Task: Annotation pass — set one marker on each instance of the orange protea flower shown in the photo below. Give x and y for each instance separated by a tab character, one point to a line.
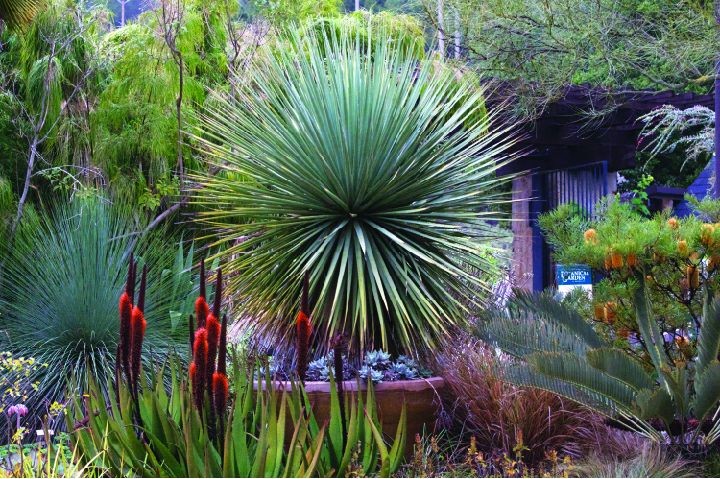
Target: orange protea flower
213	333
616	260
220	392
590	236
672	223
599	311
682	247
706	234
304	330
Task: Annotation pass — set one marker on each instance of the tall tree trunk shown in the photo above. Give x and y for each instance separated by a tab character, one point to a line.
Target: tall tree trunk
357	5
178	102
441	27
122	12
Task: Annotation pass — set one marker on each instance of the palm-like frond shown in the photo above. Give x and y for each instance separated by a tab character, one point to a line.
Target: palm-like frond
621	366
61	287
580	373
368	169
19	12
708	343
545	306
518	332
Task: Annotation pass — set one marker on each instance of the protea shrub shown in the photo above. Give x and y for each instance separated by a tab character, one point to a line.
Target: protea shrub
371	170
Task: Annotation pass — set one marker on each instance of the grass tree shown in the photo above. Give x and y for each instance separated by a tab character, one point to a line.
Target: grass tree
346	157
60	287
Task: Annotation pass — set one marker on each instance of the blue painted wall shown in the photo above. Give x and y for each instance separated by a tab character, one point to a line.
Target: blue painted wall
699	189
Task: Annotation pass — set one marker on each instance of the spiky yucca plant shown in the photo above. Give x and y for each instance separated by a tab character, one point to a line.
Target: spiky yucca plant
19	12
369	169
60	288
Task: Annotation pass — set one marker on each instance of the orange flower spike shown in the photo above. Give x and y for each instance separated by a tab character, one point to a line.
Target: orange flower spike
682	247
138	326
213	333
220	392
608	262
201	311
304	330
610	312
673	223
616	260
200	358
599	311
631	260
125	308
192	372
590	236
201	307
706	234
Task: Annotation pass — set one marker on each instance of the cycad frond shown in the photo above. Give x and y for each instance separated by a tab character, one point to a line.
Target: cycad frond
707	391
519	332
550	310
620	365
708	343
581	374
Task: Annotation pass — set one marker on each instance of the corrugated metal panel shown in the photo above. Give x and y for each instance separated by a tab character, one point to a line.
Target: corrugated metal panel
584	186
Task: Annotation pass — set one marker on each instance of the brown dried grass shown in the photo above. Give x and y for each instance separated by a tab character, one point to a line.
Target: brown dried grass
503	416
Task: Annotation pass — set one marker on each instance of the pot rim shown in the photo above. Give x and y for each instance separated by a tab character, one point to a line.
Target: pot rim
408	385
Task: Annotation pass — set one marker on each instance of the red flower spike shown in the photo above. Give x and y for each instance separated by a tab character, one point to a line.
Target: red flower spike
125	307
222	348
138	326
200	358
304	330
213	334
218	294
192	372
221	392
202	278
143	286
201	311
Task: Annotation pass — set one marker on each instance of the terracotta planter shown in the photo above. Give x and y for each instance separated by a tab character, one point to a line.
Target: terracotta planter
422	398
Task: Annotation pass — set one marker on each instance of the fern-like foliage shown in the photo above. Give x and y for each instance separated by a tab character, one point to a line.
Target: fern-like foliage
558	351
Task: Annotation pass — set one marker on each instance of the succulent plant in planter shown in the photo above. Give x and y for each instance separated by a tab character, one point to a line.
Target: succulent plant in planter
366	168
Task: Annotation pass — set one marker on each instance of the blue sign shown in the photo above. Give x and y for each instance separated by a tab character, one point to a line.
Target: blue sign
573	275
